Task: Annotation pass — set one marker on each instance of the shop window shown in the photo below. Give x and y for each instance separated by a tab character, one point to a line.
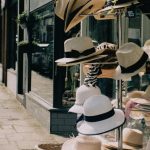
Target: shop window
42	58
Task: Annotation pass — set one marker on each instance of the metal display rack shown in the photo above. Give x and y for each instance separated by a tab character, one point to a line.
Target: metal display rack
118	11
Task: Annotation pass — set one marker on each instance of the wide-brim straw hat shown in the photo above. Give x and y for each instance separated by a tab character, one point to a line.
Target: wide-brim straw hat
82	143
78	10
98	113
141	94
82	93
60	9
131	59
80	49
132	140
140	101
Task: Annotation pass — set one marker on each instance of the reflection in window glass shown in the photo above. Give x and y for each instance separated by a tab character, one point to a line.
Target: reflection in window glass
42	58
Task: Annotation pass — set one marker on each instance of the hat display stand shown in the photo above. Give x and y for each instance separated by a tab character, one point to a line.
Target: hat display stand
117	11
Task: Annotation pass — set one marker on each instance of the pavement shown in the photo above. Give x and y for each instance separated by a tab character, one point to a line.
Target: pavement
18	129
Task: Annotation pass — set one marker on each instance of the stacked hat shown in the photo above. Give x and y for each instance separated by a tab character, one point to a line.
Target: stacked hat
61	6
98	113
77	50
141	97
78	10
82	93
132	140
82	143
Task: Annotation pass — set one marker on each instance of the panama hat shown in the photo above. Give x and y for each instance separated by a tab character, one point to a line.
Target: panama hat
132	140
98	113
140	94
60	9
79	11
146	47
78	49
131	60
82	93
141	97
82	143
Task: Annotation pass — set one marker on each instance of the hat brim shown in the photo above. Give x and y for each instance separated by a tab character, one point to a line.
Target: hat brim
126	76
72	19
146	50
76	109
60	11
75	61
140	101
118	6
104	17
68	145
115	146
95	128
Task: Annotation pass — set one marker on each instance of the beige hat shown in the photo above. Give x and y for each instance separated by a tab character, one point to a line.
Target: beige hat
78	49
140	94
146	47
78	10
141	97
82	143
107	15
132	140
60	9
132	59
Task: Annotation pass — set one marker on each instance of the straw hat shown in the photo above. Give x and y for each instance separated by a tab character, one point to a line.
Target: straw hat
77	11
98	113
82	143
131	59
61	6
141	97
140	94
132	140
146	47
78	49
82	93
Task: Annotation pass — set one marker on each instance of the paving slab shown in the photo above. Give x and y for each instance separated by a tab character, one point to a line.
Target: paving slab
18	129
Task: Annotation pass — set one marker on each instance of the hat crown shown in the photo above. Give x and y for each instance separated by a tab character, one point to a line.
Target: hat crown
84	92
87	143
132	136
128	54
78	43
92	105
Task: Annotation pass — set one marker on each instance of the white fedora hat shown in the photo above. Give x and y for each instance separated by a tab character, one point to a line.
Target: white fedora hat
82	143
78	49
132	140
98	113
82	93
131	59
60	9
79	11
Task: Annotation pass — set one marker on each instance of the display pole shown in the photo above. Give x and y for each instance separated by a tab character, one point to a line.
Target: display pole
119	82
